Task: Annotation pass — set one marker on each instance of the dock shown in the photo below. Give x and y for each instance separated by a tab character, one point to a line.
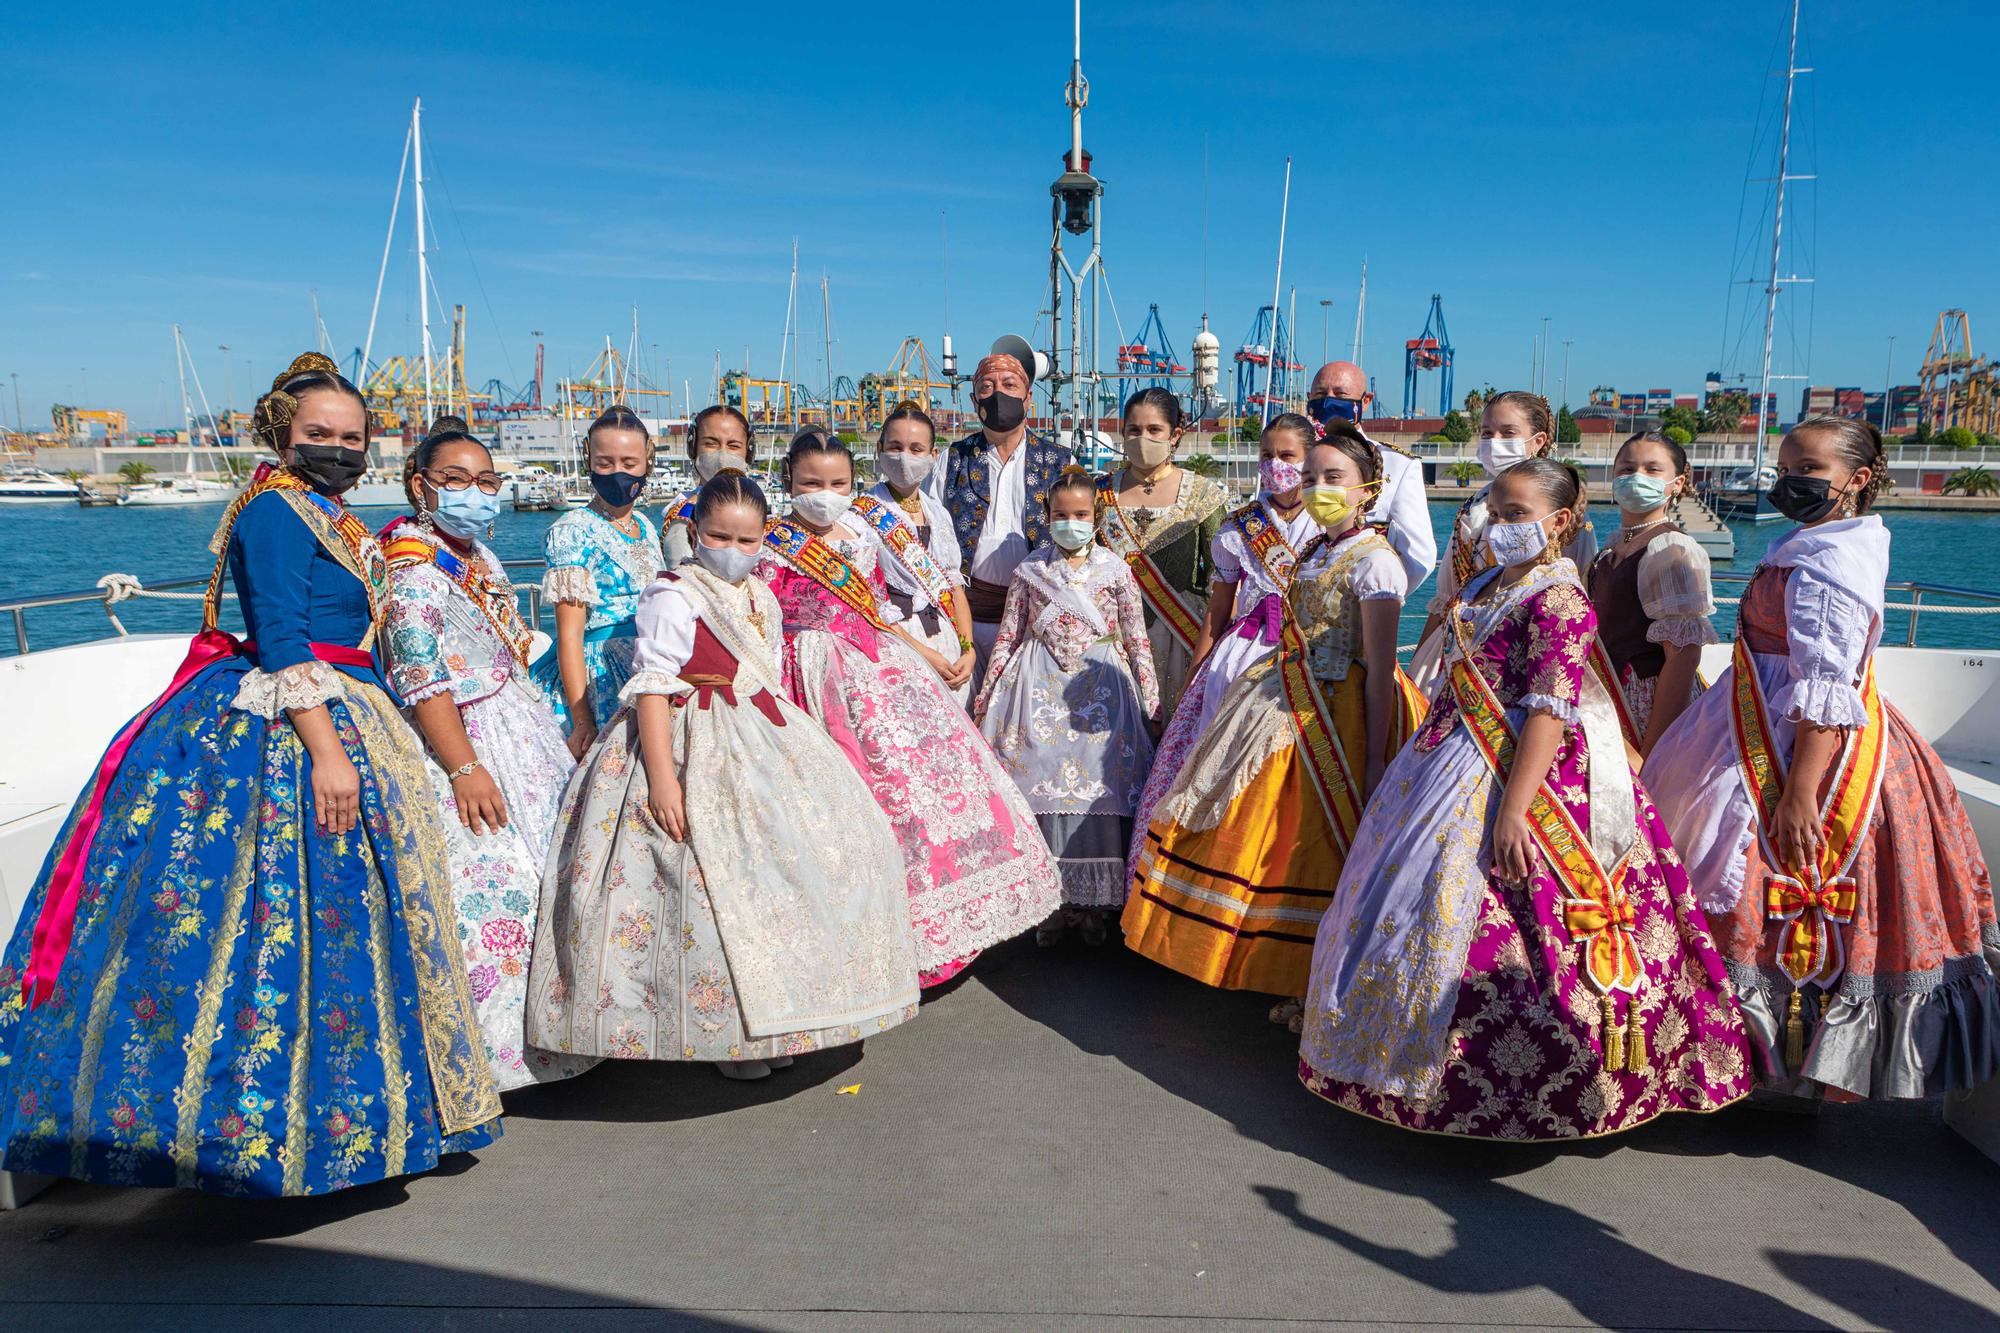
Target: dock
1065	1139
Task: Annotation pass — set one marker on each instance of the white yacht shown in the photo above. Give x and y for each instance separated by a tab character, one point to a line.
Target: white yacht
379	488
22	484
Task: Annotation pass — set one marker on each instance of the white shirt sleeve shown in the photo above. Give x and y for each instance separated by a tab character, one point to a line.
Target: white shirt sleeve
665	626
1380	575
1224	555
1408	515
945	552
1831	632
1675	591
1003	543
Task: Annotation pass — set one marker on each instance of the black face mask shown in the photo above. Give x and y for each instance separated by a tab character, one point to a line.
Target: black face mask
617	489
328	468
1001	411
1804	499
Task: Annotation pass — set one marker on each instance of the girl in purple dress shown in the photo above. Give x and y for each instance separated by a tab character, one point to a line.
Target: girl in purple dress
1513	956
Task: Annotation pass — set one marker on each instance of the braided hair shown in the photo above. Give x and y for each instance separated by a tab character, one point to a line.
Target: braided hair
1859	445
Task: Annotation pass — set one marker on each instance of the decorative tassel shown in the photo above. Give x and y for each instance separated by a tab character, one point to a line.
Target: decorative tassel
1636	1060
1614	1037
1795	1035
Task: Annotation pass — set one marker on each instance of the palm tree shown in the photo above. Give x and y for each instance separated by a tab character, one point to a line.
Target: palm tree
1972	481
135	472
235	469
1203	465
1463	472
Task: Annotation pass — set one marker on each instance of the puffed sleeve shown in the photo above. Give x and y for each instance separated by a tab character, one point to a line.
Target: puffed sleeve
414	642
1561	625
1380	576
665	627
567	552
1224	556
1830	631
274	552
1675	591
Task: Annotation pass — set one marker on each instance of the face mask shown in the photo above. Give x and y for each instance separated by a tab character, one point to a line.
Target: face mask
1496	455
731	564
1278	476
821	508
1516	543
617	489
463	513
1637	493
328	468
903	470
1072	534
709	465
1145	453
1330	408
1331	506
1001	411
1804	499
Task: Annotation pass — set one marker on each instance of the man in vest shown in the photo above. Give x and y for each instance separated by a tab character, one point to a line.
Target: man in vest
996	482
1340	393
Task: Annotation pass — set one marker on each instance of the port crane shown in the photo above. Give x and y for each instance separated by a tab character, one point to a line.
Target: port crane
1148	361
1428	351
1957	386
1267	354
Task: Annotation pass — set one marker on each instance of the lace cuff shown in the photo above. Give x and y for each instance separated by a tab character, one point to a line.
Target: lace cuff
269	694
413	695
1380	595
1824	703
652	682
1563	709
1682	631
572	583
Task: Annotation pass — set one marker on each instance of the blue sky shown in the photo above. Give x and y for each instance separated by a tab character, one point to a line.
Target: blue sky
212	166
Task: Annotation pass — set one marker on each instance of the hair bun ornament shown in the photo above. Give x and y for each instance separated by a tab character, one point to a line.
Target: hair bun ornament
306	363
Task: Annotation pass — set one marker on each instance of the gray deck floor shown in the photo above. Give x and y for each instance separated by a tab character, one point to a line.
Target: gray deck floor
1066	1139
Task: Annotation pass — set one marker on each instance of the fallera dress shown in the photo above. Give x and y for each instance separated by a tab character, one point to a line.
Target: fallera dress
1169	549
592	564
1066	704
1245	851
454	628
228	999
1584	1001
1872	974
921	604
978	869
780	926
1651	594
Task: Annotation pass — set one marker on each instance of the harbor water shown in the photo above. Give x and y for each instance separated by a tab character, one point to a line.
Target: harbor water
63	548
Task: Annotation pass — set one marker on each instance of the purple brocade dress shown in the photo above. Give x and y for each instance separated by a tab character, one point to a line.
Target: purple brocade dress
1446	999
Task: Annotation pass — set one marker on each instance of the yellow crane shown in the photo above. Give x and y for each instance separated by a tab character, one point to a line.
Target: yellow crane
1958	387
606	383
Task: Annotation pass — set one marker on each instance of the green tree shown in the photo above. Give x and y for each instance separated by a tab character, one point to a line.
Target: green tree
1679	434
1922	434
1463	472
1567	431
1203	465
1458	426
136	472
1686	418
1956	437
236	469
1725	413
1972	481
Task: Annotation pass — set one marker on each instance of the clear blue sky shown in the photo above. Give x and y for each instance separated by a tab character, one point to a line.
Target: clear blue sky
213	165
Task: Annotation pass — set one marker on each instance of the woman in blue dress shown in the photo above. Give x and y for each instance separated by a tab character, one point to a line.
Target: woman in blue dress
238	969
600	559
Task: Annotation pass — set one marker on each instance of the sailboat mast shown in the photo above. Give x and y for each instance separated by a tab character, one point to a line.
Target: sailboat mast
1777	238
1360	316
423	260
180	369
1277	286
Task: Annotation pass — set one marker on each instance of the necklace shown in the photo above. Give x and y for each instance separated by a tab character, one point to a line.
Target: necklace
1146	484
1632	534
911	504
628	525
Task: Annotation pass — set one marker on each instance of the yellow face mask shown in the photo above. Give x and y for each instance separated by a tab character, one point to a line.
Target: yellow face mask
1332	506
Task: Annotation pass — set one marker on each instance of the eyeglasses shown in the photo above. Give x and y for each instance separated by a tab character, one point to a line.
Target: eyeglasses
452	479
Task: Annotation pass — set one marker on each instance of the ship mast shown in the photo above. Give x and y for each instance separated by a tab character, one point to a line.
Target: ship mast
423	260
1772	287
1075	209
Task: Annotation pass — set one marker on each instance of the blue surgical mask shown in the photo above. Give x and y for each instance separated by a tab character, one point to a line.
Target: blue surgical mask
1638	493
462	514
1330	408
1072	534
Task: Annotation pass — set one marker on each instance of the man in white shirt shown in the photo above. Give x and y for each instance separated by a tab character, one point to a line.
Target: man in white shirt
995	482
1340	393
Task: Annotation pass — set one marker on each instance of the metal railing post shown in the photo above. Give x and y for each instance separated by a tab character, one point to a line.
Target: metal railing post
1916	601
21	630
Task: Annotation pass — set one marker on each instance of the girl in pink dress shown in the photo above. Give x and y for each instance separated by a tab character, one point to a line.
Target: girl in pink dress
979	870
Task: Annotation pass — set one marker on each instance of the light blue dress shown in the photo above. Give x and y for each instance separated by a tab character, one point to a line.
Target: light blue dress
593	564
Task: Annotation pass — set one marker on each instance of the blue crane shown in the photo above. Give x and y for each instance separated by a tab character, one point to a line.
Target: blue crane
1429	350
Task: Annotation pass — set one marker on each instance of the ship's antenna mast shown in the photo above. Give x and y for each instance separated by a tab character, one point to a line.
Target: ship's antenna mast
1360	315
1277	285
1075	209
1792	71
423	258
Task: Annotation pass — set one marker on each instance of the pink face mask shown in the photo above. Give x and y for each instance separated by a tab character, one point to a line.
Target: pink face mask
1278	476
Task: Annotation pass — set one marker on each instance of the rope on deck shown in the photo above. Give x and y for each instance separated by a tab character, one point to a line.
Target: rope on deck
124	587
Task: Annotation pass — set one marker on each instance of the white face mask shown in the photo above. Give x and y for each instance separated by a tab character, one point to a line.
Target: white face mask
1516	543
1497	454
709	465
731	564
903	470
821	508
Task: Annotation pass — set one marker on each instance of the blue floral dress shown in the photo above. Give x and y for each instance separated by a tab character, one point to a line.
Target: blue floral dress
246	1005
593	564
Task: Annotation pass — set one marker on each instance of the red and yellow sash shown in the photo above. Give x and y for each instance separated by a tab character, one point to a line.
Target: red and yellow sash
1153	586
1597	912
812	557
901	538
1267	543
495	601
1811	900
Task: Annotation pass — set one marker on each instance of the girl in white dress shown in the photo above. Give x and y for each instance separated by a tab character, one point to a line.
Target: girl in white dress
935	611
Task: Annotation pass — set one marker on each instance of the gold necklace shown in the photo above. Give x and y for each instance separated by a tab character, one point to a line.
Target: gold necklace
911	504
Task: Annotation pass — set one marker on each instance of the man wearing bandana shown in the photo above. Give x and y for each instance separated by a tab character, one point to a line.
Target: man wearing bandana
1340	393
995	482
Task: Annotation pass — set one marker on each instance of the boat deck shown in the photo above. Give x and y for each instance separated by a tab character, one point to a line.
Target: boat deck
1065	1139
